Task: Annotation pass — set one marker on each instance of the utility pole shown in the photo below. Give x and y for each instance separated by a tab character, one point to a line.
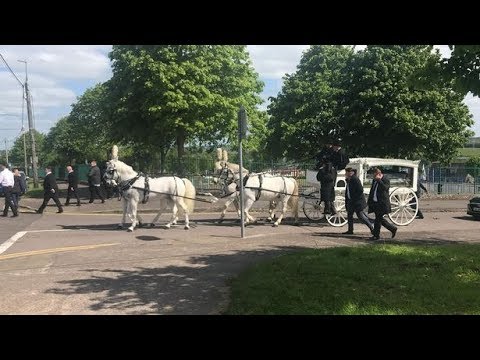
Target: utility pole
6	151
31	128
242	133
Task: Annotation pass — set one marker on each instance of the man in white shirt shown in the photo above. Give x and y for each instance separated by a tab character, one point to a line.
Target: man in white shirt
7	181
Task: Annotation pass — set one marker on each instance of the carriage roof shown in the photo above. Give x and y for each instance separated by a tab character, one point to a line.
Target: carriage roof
370	162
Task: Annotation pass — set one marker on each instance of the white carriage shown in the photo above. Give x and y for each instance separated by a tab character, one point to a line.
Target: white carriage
403	175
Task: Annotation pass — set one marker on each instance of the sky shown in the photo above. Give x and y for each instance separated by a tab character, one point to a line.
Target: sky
58	74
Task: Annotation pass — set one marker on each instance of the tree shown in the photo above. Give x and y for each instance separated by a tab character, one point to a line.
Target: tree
170	94
463	67
370	100
473	162
306	111
386	115
84	134
16	155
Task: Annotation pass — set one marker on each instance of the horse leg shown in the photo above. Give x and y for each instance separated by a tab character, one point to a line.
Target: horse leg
124	216
133	215
227	204
163	206
271	210
248	204
284	208
184	207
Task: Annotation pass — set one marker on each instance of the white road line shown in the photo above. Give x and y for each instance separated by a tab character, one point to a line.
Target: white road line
11	241
4	247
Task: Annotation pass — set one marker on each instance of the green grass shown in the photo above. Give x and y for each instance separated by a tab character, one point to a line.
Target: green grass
469	152
378	279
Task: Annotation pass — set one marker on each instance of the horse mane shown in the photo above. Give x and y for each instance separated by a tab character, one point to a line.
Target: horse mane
121	166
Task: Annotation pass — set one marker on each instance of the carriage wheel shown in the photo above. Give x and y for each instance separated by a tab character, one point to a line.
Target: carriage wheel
312	207
404	206
340	218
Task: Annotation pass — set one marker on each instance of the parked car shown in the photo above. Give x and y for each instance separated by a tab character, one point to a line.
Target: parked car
473	208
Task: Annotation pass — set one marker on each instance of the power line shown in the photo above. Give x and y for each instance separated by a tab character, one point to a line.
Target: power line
8	66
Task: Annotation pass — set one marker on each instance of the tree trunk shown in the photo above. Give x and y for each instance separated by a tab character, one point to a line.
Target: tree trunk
181	152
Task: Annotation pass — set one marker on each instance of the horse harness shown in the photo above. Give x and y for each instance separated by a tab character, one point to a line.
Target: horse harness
128	184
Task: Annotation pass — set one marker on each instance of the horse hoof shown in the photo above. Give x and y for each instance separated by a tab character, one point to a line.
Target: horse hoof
120	227
220	221
152	225
275	225
130	230
269	219
140	225
186	227
167	226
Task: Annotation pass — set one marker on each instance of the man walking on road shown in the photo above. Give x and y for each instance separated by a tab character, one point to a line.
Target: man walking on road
50	191
72	186
7	181
94	180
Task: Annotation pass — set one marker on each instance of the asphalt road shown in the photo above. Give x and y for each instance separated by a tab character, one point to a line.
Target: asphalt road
79	263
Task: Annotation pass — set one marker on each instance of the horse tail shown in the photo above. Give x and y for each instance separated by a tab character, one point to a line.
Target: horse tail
293	201
190	194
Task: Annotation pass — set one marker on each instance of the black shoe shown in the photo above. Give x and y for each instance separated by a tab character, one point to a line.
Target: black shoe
103	201
66	204
3	215
14	215
394	232
374	237
419	217
91	201
39	212
59	211
348	233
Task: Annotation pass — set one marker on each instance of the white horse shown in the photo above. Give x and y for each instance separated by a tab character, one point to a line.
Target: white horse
271	187
229	176
172	190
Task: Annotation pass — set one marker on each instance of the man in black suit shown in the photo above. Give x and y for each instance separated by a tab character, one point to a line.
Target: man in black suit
72	186
327	175
355	200
379	203
50	191
94	180
339	159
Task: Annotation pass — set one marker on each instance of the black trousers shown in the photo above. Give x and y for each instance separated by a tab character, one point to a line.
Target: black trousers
9	203
46	199
381	220
73	192
95	190
361	216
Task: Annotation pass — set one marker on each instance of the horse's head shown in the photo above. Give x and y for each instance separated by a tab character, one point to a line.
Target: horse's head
111	175
117	171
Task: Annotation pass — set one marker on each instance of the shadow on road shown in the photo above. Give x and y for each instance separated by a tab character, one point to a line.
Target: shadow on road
198	287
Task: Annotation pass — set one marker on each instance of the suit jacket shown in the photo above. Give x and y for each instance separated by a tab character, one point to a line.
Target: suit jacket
94	176
339	159
327	175
382	205
50	183
72	180
357	197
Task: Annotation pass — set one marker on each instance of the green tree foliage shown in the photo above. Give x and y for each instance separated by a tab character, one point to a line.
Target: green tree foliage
369	100
474	161
163	95
83	135
306	111
463	67
16	155
386	115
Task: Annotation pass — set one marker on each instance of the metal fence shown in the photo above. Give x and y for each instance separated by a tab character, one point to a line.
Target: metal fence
438	180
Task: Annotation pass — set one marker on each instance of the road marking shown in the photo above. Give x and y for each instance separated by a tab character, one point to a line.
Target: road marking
11	241
54	250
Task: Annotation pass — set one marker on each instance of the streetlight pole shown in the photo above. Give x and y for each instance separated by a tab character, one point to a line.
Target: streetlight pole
31	128
6	152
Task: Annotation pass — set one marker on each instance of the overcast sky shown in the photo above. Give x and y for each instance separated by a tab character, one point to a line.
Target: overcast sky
58	74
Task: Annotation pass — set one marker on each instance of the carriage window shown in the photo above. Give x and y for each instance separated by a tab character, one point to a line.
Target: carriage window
398	176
